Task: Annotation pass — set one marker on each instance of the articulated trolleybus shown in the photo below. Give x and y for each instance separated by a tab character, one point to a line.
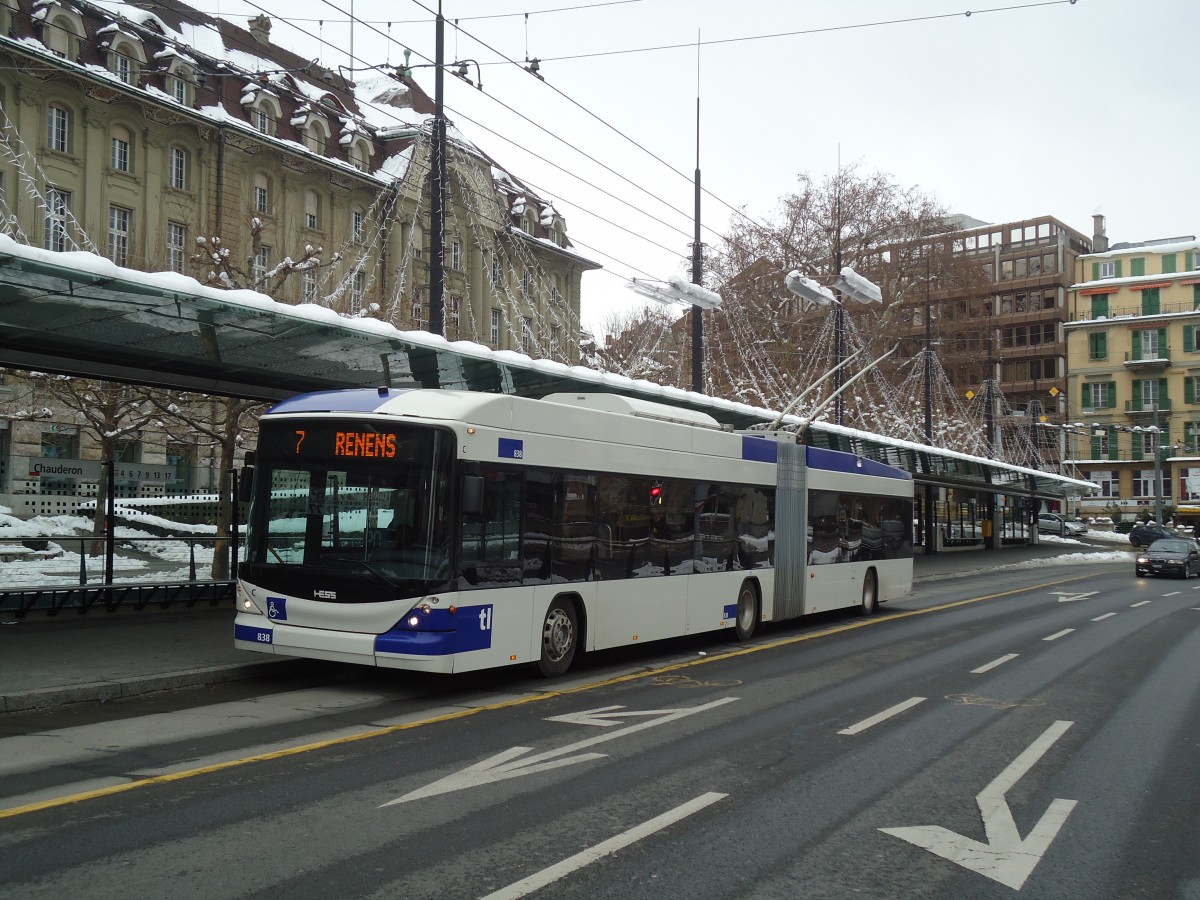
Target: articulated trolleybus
448	531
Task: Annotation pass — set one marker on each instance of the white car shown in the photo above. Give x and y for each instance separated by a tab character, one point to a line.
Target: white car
1053	523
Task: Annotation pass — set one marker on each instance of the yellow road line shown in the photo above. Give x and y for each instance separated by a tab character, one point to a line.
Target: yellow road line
505	704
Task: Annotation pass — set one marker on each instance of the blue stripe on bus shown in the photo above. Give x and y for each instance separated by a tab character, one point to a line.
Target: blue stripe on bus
837	461
252	634
362	400
440	633
729	612
759	449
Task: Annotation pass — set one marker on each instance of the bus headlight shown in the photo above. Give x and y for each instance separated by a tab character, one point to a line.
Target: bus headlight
244	603
414	621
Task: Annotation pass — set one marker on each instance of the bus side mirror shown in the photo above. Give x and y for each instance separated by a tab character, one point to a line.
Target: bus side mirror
246	479
472	495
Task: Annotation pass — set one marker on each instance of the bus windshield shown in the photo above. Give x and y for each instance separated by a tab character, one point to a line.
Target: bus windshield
362	497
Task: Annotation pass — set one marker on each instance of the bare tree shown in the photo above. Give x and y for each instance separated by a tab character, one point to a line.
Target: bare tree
765	345
216	266
227	422
112	413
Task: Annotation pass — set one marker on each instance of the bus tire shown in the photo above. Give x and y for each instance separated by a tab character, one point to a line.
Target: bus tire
745	618
870	594
560	638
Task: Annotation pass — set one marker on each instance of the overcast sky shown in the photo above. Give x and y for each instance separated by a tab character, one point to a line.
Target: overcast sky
1019	109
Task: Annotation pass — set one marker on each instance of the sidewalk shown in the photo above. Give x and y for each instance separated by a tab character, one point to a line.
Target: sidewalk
47	662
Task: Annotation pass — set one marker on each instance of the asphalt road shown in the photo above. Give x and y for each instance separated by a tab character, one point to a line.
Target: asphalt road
1020	732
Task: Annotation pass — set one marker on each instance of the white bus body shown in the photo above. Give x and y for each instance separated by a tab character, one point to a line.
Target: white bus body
449	531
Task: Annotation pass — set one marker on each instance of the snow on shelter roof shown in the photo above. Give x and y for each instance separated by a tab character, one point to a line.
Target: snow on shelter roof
78	313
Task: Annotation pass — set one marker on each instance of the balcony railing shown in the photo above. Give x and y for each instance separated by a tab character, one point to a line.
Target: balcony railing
1142	359
1135	311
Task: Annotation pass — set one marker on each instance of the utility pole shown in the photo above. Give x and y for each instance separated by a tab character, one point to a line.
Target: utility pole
437	212
697	276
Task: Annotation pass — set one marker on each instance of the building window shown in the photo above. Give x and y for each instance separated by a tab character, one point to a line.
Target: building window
261	265
1108	270
358	290
1101	394
314	138
123	67
497	272
118	234
453	315
1151	305
261	120
262	193
121	160
1146	342
1169	262
1107	481
312	209
58	133
1144	483
494	333
418	315
1098	345
177	159
526	334
179	86
309	282
1137	266
357	220
58	206
456	256
176	246
527	283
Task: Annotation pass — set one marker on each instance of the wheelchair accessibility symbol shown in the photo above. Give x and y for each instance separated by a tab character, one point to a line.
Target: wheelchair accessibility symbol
277	609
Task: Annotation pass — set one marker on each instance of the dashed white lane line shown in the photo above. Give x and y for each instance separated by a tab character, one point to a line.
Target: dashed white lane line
539	880
1172	594
1058	634
1103	617
995	662
1139	603
883	716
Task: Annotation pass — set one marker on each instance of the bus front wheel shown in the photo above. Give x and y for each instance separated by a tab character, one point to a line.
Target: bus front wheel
746	616
870	595
560	637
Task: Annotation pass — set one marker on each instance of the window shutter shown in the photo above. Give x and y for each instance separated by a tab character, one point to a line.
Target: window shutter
1095	271
1189	338
1135	345
1164	399
1095	446
1189	389
1189	259
1117	271
1162	344
1114	451
1168	263
1137	265
1112	395
1102	345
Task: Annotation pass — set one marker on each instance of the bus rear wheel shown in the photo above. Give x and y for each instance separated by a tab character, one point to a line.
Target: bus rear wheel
746	617
560	637
870	595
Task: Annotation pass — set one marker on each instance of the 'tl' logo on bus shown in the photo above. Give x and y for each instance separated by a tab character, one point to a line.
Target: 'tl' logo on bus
485	619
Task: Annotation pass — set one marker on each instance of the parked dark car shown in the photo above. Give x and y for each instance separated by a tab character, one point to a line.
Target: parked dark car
1169	556
1144	534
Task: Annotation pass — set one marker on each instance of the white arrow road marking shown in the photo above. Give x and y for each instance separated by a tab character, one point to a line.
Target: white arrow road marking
586	857
1070	596
1006	857
506	765
605	716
